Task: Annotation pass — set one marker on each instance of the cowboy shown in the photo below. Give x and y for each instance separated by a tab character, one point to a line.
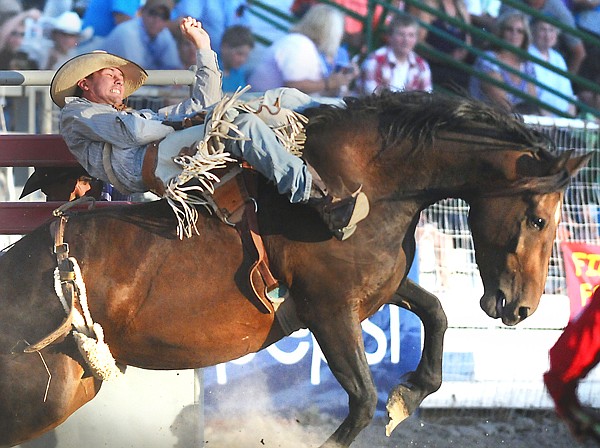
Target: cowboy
115	144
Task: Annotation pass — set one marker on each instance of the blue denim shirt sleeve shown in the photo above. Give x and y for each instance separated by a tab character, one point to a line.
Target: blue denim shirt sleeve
206	90
134	130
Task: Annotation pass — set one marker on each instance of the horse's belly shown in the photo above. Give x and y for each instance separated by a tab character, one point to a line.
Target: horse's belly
195	333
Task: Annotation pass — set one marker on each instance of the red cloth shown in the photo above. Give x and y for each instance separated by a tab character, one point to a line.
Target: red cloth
575	353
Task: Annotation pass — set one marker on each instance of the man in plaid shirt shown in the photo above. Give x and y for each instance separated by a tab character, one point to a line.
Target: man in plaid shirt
396	66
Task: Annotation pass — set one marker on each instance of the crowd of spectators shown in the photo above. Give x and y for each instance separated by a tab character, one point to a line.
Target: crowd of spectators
324	52
558	10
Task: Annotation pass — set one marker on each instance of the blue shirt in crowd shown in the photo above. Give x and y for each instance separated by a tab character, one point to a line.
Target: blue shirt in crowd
131	41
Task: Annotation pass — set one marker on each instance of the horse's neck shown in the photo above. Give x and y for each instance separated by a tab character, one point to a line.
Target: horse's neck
457	164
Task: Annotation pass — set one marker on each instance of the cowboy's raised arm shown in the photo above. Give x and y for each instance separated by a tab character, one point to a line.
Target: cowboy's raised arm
192	30
206	89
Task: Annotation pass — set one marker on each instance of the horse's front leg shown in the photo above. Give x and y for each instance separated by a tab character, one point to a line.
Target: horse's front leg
427	378
340	339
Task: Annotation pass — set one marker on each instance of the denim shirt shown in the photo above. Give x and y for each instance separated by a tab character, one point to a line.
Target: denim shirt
86	126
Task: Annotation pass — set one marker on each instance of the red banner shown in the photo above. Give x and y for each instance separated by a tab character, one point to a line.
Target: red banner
582	269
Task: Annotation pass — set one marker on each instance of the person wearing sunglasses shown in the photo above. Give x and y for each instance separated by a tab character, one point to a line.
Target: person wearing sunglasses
146	40
513	29
12	33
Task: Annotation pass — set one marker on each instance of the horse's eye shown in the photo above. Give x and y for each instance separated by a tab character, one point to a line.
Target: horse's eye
537	223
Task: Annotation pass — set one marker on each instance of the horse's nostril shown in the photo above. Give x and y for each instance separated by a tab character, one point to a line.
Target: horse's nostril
523	312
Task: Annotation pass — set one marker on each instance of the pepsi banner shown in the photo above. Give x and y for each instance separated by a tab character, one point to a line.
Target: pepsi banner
292	375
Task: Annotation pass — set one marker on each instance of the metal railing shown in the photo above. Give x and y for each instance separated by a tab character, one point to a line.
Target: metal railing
282	21
371	39
491	38
37	81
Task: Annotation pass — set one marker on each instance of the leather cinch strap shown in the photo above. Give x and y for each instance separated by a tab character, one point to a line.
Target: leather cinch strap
67	277
233	204
149	164
250	236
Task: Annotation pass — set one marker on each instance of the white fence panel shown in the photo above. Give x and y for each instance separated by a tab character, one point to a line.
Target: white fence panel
485	363
144	408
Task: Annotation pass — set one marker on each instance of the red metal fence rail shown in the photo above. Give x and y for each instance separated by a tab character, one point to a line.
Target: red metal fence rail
26	150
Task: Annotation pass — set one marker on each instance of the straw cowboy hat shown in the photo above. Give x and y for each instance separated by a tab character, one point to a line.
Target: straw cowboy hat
64	82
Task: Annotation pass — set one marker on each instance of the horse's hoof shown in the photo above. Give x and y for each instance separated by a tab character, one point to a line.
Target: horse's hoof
397	412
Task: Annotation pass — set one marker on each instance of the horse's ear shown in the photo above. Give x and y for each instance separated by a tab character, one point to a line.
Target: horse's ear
574	164
571	164
560	162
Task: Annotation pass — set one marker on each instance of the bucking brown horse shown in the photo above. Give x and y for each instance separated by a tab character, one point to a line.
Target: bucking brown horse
166	303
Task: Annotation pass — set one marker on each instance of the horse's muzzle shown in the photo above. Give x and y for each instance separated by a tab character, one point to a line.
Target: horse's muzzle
497	307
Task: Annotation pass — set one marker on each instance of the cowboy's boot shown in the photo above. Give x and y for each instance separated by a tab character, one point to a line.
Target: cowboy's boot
339	214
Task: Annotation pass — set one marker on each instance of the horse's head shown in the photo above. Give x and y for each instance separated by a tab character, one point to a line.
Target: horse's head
513	234
414	146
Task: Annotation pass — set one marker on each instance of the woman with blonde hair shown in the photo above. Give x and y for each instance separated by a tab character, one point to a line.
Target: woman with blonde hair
305	57
513	29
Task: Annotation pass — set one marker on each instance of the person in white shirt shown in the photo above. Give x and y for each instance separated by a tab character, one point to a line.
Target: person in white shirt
303	59
544	38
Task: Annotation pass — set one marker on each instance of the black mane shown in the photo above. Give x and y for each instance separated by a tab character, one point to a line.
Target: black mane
418	116
155	216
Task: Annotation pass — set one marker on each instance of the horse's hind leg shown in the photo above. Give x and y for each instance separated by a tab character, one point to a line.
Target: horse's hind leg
38	392
340	339
427	378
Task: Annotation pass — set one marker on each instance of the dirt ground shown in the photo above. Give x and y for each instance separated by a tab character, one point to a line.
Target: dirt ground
430	429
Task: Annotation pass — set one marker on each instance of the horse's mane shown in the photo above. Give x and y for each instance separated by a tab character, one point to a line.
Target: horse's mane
419	116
